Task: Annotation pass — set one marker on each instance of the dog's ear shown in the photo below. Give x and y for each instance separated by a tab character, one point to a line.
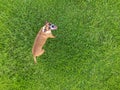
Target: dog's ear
46	22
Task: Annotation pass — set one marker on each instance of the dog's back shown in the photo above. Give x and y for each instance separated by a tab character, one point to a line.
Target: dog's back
39	42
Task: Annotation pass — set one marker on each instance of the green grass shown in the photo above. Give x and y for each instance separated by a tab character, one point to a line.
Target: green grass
85	55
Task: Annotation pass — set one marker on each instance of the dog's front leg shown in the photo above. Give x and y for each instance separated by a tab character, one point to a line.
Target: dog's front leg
51	36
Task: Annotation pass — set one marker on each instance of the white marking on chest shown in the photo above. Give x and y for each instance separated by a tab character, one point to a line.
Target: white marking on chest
48	32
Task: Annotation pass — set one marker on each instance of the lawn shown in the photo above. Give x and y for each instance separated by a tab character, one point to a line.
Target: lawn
85	55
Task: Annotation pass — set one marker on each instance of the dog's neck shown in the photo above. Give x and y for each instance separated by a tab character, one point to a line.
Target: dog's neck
44	30
48	32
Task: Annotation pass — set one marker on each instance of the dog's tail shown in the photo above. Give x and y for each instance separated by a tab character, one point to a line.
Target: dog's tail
35	61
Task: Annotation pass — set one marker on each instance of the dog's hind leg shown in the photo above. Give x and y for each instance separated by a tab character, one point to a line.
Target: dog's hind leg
38	54
35	61
41	52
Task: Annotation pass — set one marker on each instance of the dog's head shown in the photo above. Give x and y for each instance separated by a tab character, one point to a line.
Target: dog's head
49	26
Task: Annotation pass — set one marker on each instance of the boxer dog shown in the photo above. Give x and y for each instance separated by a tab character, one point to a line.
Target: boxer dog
40	40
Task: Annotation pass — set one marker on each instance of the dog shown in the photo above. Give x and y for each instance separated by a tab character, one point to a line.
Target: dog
40	40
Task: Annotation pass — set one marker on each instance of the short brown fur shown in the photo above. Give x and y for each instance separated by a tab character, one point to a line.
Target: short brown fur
40	40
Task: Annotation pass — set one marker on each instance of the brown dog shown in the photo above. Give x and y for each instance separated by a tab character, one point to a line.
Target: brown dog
42	36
